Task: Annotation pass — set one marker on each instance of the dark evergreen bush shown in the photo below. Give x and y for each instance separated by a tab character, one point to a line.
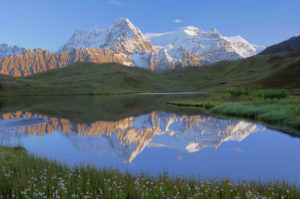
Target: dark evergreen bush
271	94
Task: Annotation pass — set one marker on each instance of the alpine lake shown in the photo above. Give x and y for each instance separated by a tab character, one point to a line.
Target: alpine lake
141	133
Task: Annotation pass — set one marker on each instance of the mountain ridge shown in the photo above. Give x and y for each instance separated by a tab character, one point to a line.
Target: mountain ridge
127	45
209	44
292	43
261	71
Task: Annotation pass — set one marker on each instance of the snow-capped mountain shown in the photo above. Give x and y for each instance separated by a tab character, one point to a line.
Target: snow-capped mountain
170	57
6	50
209	44
124	43
81	38
162	51
122	37
243	47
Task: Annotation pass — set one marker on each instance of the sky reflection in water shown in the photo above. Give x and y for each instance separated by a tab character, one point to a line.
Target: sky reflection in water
197	145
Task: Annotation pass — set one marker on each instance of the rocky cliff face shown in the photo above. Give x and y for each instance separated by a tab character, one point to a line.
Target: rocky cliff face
36	61
128	137
162	59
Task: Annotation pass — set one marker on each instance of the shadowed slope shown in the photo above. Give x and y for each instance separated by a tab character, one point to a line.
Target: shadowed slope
280	70
291	43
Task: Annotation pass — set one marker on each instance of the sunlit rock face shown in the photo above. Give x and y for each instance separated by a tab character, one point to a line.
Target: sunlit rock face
36	61
127	138
124	43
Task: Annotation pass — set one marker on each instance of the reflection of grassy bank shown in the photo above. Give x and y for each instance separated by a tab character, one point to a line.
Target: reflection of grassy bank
264	105
94	108
23	176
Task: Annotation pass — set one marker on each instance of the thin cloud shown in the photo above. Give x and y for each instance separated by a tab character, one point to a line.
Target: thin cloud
177	21
237	149
115	2
179	157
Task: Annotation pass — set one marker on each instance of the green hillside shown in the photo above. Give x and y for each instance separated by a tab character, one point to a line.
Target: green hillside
280	70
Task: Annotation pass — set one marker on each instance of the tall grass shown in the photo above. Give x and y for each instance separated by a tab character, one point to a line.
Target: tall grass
282	112
269	106
23	176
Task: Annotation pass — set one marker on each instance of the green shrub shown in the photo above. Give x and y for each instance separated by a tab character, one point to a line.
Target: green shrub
237	92
272	94
208	105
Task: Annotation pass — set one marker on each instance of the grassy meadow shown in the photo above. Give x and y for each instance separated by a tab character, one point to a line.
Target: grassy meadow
274	106
25	176
279	112
263	71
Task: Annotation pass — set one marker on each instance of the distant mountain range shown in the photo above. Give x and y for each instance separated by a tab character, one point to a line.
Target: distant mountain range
291	43
124	43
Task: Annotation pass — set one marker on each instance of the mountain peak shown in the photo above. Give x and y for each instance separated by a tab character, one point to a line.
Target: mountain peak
124	38
214	30
123	20
96	29
124	27
191	30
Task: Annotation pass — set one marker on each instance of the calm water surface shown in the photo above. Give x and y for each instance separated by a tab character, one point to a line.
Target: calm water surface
183	142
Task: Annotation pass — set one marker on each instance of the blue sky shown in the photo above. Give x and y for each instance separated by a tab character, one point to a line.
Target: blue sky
48	24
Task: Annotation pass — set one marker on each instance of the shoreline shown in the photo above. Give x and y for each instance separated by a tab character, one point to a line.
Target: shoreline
218	110
22	174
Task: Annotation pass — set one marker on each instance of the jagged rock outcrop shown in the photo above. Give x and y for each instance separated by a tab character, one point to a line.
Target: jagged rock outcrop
37	60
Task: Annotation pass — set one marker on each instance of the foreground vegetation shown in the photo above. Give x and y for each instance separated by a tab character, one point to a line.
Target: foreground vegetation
267	71
24	176
280	112
272	107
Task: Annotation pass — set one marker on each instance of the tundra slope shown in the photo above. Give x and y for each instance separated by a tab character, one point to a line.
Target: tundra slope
280	70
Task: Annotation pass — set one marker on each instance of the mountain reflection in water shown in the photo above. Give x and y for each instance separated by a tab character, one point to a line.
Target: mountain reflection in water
125	139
